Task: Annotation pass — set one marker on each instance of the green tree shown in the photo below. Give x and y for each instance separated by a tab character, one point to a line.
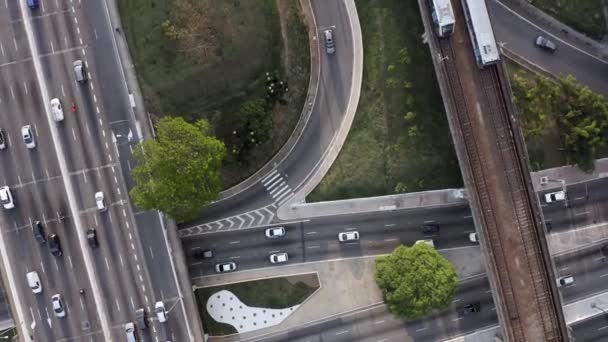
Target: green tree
179	172
415	280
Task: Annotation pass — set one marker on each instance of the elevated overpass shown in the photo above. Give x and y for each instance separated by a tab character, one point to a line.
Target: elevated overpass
494	165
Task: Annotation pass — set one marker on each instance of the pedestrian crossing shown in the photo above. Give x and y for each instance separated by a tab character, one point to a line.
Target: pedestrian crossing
277	187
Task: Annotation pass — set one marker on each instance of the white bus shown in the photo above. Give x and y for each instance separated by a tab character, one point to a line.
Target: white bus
480	31
443	17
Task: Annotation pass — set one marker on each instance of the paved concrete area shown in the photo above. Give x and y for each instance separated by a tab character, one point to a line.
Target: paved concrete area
488	334
569	174
566	241
348	284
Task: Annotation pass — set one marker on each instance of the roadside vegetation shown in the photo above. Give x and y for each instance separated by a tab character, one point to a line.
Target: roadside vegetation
275	293
241	65
563	122
400	140
178	173
415	280
585	16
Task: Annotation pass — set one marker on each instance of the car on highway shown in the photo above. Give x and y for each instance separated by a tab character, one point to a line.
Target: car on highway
92	237
275	232
202	254
430	229
56	110
545	44
33	281
80	71
348	236
6	197
278	258
471	308
473	237
28	137
161	313
32	4
2	140
38	231
225	267
55	245
131	333
565	280
330	45
557	196
429	242
141	318
100	201
58	307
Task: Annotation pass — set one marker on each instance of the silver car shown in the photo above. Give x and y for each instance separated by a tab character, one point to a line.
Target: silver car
28	137
80	71
330	45
58	307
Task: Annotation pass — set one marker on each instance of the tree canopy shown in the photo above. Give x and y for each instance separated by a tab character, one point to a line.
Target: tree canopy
179	172
580	115
415	280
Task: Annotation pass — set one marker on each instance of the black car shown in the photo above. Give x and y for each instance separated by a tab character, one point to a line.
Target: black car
430	229
471	308
203	254
55	245
38	231
92	237
141	318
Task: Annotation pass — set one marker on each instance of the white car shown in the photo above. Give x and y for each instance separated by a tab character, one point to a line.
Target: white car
565	280
28	137
225	267
6	198
275	232
557	196
473	237
56	110
99	201
161	313
278	258
429	242
34	282
58	307
348	236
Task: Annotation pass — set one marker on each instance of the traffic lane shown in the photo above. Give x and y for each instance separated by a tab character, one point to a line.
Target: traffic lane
589	272
591	329
156	253
103	61
14	40
53	32
58	274
336	76
519	37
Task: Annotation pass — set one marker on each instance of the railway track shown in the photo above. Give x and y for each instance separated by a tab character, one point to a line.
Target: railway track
524	223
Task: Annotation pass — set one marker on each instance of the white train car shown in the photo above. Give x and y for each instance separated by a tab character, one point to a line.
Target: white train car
480	31
443	17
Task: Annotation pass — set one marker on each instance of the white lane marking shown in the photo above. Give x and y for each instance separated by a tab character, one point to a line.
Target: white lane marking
107	264
602	328
429	221
379	322
457	319
312	247
604	275
15	42
95	33
117	304
132	302
389	240
70	260
56	266
352	228
341	332
389	225
421	329
235	257
81	303
12	92
151	251
121	261
25	87
583	213
74	133
52	47
311	233
467	217
2	49
234	242
42	266
62	91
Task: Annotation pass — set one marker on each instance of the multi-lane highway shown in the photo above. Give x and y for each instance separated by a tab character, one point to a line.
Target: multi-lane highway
317	239
56	181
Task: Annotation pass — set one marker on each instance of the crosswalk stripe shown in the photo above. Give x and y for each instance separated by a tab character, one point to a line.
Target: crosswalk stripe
279	189
283	193
277	175
269	175
281	202
273	184
283	190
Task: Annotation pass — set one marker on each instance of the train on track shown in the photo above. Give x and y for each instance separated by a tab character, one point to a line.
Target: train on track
443	17
480	31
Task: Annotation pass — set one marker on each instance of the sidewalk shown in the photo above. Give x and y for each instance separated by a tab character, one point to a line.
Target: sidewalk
433	198
557	28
